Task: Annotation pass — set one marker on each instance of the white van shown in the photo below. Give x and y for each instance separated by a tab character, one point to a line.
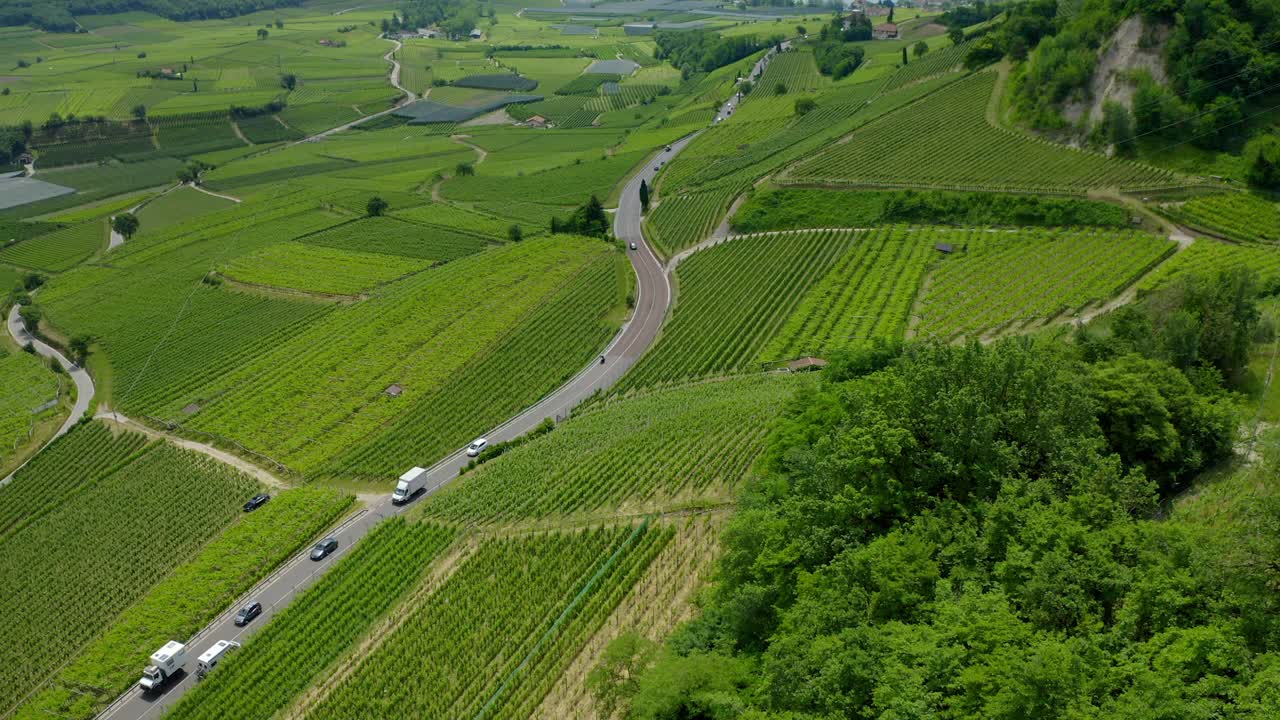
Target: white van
211	657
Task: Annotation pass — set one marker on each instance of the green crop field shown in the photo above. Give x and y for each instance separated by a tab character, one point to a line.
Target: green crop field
501	656
163	506
653	450
27	389
682	221
320	625
867	295
1237	216
946	142
308	267
223	570
1209	257
1007	279
419	333
733	298
388	236
58	250
176	206
74	461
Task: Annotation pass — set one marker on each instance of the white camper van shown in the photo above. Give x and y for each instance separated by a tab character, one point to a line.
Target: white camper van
165	662
209	660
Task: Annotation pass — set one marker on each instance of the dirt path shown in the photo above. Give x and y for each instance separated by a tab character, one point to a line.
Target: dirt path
105	414
206	191
481	153
240	134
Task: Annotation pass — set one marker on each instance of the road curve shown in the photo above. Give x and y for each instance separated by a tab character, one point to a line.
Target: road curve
653	299
653	295
84	383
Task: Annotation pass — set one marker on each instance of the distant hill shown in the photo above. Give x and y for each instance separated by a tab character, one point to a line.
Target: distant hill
59	15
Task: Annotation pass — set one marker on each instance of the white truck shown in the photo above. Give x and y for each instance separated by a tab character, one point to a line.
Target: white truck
410	484
165	662
210	658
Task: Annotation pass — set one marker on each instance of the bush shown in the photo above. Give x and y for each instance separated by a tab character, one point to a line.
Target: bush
1262	161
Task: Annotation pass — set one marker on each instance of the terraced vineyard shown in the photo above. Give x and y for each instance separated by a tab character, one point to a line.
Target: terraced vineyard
867	294
626	455
308	267
1208	257
560	338
394	237
223	570
795	69
26	386
682	221
946	142
1006	279
266	129
319	626
936	62
733	298
195	133
60	249
51	603
73	462
1237	216
420	333
468	650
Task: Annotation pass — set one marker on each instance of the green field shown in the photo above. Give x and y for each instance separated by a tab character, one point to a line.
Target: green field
58	250
733	298
177	206
1002	281
420	333
946	142
50	608
319	626
500	661
223	569
28	393
1238	216
447	240
307	267
658	449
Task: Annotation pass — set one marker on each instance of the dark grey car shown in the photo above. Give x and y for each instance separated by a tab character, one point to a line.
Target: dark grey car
323	548
248	613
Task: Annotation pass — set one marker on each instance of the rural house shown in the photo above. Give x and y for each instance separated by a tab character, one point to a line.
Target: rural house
887	31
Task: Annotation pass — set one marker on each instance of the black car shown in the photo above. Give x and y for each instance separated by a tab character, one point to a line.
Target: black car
248	613
256	502
323	548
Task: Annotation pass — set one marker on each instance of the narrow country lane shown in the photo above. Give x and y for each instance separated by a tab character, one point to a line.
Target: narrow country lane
84	383
653	296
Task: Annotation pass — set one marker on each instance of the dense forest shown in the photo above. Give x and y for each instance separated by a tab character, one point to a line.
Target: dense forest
702	50
1221	60
58	15
980	532
456	17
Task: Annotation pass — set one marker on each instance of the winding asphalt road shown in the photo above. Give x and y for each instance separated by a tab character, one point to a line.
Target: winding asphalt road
84	383
653	295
